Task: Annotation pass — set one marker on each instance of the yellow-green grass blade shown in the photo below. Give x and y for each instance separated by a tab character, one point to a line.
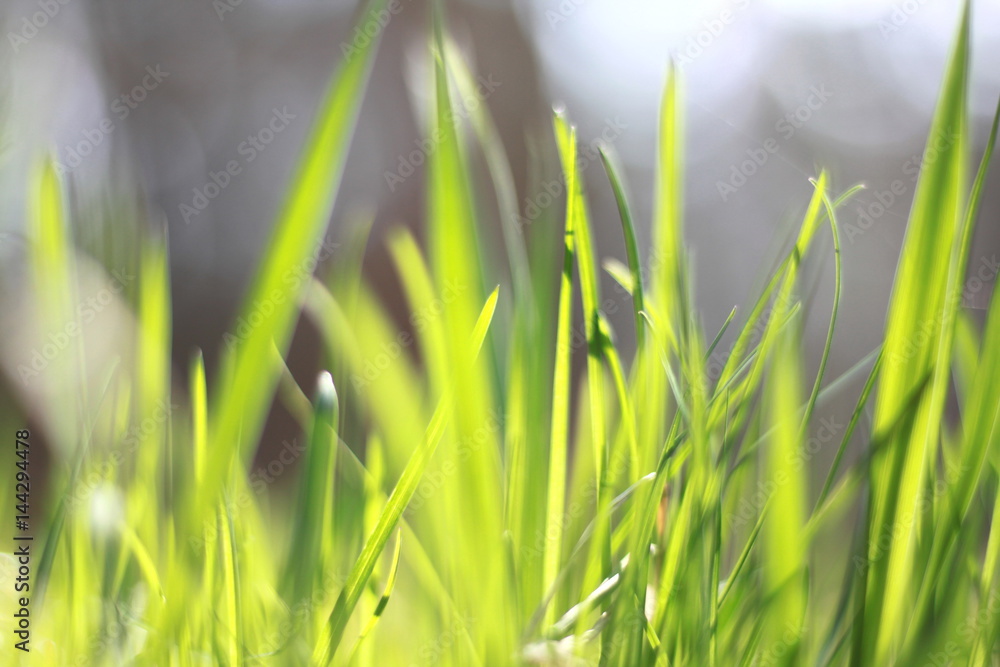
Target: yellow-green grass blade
52	266
199	415
982	415
591	297
400	497
525	371
451	211
667	263
51	245
381	374
990	630
744	554
768	305
916	340
424	300
983	402
626	409
384	600
784	547
500	172
475	491
241	404
831	213
320	305
561	396
781	308
666	269
231	629
312	535
627	643
152	365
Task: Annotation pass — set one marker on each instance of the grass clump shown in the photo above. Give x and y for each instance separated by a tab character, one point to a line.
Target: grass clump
479	509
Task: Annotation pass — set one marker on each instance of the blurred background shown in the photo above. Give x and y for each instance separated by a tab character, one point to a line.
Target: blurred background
187	117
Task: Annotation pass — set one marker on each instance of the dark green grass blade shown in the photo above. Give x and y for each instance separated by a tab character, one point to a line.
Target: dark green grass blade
631	245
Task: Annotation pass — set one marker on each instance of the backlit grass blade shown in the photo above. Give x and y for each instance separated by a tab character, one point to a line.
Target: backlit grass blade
784	547
626	410
982	415
398	500
423	301
474	494
831	214
920	316
782	287
199	416
591	297
241	405
152	363
500	171
667	262
312	536
561	393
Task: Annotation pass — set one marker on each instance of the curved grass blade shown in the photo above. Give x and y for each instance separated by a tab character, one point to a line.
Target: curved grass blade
628	232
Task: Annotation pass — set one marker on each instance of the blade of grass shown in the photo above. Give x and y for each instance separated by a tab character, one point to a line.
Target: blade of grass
400	497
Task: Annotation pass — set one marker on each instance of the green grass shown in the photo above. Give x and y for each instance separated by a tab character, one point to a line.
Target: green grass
484	506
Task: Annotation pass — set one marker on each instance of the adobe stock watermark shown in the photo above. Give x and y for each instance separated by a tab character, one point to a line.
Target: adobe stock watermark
87	311
785	127
433	480
408	164
553	189
900	15
711	30
563	11
264	308
871	213
223	7
121	108
372	368
749	508
254	145
376	22
31	25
